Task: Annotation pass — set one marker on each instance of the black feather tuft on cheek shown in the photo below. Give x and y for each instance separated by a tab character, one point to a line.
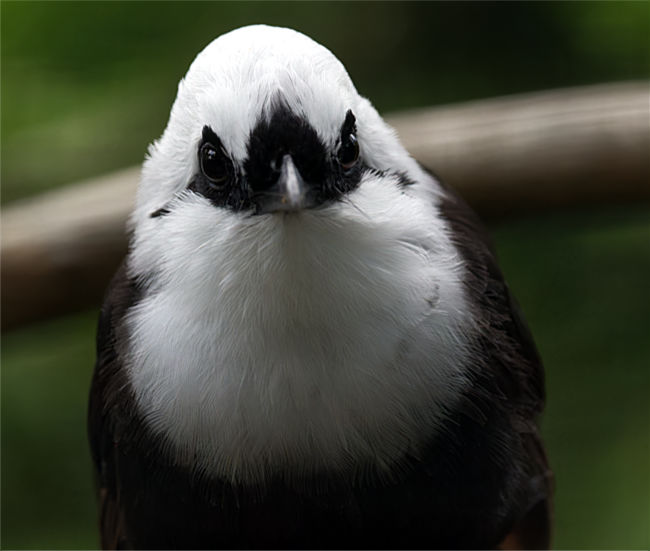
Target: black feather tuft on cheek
160	212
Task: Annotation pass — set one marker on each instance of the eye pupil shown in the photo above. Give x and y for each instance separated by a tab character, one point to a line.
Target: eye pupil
349	152
213	163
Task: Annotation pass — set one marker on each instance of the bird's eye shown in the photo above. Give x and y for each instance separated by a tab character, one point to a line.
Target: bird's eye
348	154
214	163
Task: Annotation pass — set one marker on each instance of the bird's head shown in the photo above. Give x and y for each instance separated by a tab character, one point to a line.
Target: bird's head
274	171
267	121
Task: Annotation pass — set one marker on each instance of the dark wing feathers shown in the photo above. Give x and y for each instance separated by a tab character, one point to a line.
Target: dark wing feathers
103	430
511	374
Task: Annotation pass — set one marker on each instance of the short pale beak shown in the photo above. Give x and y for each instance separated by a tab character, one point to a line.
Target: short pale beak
291	185
289	192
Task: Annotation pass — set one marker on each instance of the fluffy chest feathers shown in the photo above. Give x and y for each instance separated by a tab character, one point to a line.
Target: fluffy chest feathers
327	338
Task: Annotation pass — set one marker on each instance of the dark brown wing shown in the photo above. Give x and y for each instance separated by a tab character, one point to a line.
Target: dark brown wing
512	372
103	428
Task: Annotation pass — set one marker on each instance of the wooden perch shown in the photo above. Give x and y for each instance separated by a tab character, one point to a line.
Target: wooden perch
505	155
535	151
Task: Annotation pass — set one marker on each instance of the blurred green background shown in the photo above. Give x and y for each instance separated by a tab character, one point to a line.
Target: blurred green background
85	88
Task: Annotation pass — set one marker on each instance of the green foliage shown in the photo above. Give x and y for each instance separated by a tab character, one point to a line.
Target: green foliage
87	85
47	495
581	280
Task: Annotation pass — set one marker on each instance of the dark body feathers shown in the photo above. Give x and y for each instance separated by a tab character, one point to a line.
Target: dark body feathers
483	478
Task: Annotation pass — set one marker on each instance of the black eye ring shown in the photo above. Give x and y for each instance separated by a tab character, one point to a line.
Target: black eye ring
348	154
214	163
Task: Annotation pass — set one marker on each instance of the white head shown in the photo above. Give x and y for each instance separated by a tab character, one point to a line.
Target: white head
245	77
304	305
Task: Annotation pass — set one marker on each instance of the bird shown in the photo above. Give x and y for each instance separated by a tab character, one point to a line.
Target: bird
309	343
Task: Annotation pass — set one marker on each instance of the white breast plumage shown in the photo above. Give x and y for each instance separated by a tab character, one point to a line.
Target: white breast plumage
326	338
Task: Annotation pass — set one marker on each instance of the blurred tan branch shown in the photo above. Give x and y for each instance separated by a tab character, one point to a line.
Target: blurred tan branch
505	155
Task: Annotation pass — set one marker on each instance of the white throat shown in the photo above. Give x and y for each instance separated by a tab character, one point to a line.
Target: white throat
327	338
